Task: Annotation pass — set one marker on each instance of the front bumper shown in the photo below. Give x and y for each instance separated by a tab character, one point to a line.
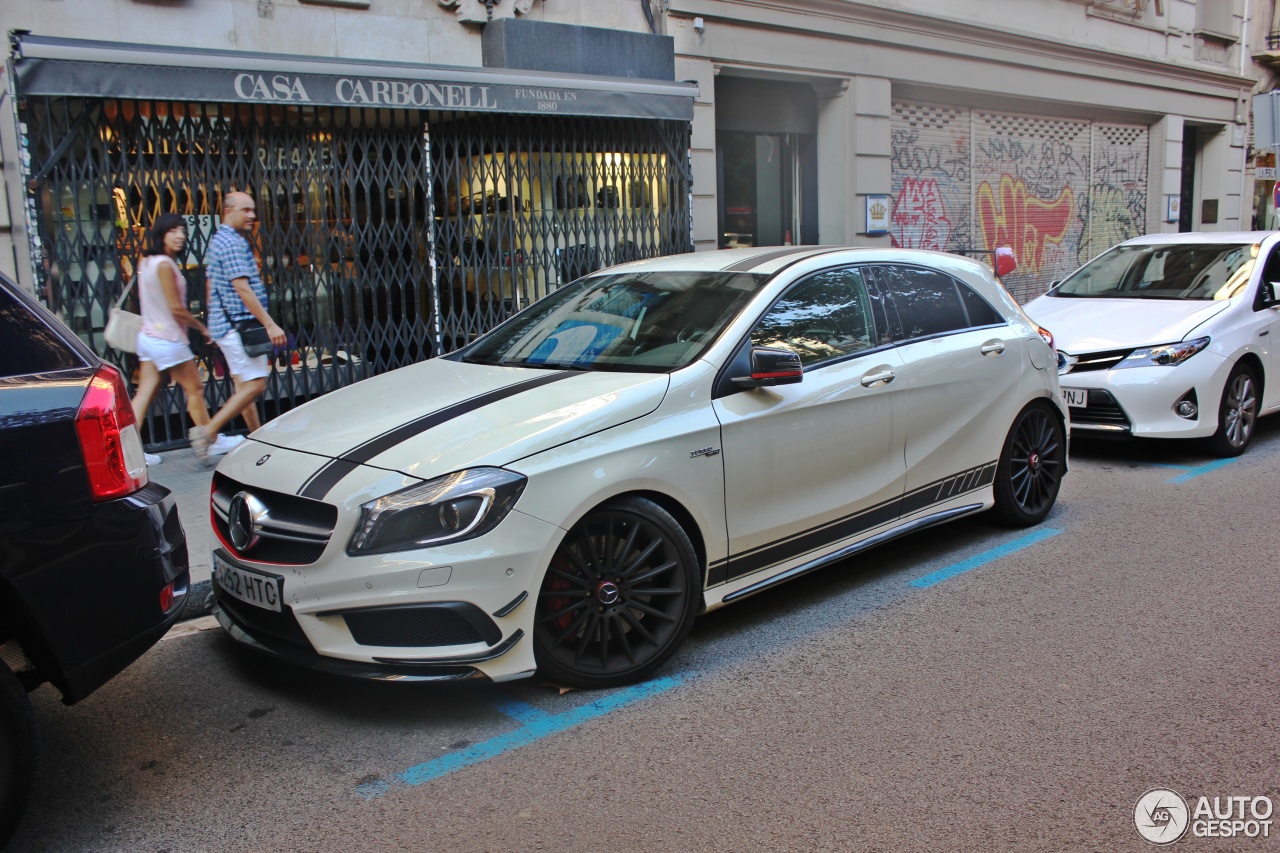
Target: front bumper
1139	401
437	614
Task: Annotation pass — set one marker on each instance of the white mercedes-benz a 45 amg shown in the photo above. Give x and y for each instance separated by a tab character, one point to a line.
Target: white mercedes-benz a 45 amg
567	493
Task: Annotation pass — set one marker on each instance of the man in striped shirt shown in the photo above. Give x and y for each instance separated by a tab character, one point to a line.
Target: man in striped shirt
236	293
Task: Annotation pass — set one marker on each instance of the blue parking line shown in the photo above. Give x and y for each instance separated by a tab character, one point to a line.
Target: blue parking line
985	557
1192	473
536	725
521	712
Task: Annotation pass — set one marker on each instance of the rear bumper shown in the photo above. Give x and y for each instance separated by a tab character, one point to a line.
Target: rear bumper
89	591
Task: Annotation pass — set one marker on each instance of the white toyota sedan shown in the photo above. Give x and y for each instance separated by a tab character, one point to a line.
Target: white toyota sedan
1169	336
568	492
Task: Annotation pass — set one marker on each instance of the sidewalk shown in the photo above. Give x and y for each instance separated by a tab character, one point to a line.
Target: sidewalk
181	473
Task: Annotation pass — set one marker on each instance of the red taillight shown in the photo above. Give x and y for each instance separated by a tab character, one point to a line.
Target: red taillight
166	597
109	440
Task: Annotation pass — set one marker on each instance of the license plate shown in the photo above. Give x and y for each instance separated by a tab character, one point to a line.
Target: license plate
256	588
1075	397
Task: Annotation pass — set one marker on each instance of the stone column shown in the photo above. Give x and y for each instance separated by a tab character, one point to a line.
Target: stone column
854	149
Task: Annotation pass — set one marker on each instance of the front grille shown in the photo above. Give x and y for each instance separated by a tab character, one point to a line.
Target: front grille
1103	410
420	625
1092	360
266	626
294	531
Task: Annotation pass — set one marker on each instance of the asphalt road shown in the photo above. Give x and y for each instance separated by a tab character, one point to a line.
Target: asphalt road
974	688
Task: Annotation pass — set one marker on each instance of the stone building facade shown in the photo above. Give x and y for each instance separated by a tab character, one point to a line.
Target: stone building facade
426	167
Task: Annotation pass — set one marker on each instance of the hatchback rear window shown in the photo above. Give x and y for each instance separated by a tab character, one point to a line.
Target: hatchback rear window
27	345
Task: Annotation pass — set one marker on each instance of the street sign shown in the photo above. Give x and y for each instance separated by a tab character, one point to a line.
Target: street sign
1266	120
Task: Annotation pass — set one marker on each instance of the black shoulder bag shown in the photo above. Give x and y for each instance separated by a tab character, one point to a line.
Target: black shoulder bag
253	335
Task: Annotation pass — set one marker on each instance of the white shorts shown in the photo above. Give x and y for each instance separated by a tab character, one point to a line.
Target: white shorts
242	367
165	354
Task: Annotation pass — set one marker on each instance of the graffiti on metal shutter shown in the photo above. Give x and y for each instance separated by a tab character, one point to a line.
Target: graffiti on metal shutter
1056	191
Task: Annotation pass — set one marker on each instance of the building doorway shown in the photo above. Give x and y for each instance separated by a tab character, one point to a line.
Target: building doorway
766	162
1186	207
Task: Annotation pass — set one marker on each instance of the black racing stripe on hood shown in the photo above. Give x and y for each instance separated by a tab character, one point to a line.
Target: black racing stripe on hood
319	483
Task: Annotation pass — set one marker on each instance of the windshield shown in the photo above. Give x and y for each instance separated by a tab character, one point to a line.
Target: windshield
1172	271
647	322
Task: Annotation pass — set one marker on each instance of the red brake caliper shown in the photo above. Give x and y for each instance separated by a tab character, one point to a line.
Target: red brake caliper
554	605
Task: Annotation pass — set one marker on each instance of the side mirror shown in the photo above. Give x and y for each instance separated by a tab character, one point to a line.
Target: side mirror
771	367
1005	261
1273	293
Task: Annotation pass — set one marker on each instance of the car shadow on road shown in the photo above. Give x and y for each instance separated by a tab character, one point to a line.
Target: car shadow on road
837	597
1155	451
831	599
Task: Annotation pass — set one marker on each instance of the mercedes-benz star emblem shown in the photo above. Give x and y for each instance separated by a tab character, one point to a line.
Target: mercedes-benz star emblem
263	460
607	592
244	520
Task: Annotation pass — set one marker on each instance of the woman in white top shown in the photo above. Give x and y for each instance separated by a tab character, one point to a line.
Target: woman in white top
162	342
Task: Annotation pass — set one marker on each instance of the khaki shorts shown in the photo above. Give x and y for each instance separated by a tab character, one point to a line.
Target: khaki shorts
242	367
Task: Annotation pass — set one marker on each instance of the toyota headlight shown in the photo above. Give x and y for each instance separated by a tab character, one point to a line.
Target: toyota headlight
457	506
1165	355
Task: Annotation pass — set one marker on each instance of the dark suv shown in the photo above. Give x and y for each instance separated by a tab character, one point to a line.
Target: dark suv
93	559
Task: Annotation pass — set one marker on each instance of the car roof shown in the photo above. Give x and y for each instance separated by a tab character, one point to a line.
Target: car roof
1201	237
767	260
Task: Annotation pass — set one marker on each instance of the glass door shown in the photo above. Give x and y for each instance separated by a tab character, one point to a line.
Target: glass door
760	188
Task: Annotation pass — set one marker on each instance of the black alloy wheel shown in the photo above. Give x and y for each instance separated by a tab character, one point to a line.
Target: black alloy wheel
1237	413
1031	466
618	598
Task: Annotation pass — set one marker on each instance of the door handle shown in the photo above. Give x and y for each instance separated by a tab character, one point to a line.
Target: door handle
992	349
884	377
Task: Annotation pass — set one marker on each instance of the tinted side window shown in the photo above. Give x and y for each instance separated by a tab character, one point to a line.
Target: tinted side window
980	311
823	317
928	302
27	345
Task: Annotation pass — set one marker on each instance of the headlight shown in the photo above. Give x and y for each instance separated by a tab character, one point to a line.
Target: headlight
457	506
1165	355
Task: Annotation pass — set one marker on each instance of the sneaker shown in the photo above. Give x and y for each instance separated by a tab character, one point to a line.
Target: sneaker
200	443
152	458
225	444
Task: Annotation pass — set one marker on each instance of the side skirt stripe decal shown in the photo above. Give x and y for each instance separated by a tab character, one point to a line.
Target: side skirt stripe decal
319	484
849	551
816	538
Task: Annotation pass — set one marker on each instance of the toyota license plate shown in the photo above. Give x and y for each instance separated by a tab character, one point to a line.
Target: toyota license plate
256	588
1077	398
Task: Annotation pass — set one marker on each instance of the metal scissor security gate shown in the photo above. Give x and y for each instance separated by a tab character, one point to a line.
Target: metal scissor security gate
356	207
524	205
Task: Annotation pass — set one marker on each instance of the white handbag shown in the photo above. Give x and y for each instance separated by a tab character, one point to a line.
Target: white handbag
123	326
